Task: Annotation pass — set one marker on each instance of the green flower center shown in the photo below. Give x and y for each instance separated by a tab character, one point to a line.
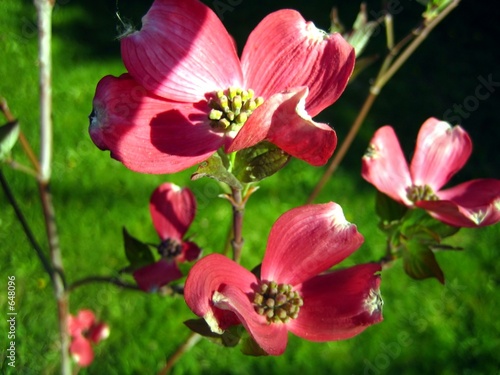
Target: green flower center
231	108
417	193
169	248
277	302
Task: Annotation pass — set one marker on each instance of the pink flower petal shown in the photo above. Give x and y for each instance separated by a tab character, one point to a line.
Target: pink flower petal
182	52
384	165
81	350
98	332
272	338
190	252
297	134
285	51
339	305
82	322
441	151
283	120
172	210
308	240
153	276
148	134
209	275
474	203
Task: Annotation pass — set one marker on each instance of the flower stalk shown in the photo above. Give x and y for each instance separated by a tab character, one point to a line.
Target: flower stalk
44	13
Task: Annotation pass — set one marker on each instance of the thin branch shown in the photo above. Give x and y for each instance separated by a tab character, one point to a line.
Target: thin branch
102	279
238	211
191	341
386	72
27	230
44	13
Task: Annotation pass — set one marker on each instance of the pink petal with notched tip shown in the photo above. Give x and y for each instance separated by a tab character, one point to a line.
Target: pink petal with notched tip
146	133
440	152
182	52
172	210
285	51
338	305
474	203
306	241
384	165
283	121
209	275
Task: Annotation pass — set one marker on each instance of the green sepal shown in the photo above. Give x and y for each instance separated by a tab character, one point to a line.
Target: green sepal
419	261
230	338
258	162
418	223
388	209
250	347
138	254
214	167
9	133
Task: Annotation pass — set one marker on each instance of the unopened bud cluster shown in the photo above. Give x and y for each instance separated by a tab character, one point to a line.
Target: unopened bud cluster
232	107
277	302
169	248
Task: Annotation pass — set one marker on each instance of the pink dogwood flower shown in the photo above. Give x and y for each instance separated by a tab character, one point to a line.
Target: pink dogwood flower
292	294
85	331
440	152
187	93
172	210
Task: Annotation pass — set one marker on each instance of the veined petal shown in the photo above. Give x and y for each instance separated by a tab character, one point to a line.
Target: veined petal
209	275
285	51
182	52
283	121
172	210
81	351
339	305
146	133
306	241
384	165
272	338
440	152
474	203
153	276
294	131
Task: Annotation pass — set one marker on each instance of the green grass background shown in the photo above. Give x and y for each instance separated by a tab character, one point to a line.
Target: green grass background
428	327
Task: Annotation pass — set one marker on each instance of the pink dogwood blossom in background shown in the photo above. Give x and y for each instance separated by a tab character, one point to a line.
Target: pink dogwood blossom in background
440	152
172	210
85	331
187	94
292	294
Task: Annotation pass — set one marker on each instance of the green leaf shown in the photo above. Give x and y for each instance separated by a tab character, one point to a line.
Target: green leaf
388	209
214	168
258	162
9	133
250	347
138	254
418	223
419	261
229	338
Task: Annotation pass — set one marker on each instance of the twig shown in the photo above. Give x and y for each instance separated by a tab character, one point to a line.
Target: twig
191	341
386	72
238	211
101	279
27	230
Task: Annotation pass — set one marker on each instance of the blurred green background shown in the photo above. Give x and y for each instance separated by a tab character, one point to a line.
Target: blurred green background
428	327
